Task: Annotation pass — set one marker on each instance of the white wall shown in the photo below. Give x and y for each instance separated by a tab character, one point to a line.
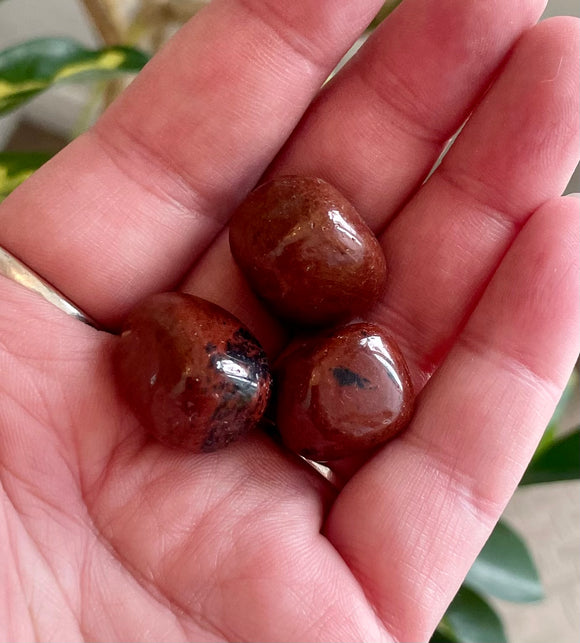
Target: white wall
24	19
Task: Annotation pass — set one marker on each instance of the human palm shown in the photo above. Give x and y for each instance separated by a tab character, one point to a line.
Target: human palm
109	536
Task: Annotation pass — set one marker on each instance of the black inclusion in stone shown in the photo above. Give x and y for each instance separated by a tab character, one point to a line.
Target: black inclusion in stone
244	347
346	377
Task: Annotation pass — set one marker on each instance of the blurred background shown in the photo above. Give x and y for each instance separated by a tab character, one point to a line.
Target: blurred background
525	587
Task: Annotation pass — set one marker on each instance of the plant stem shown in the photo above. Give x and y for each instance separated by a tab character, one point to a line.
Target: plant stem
112	90
105	20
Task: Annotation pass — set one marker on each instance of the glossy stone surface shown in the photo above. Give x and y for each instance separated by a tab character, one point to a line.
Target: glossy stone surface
306	252
192	373
342	392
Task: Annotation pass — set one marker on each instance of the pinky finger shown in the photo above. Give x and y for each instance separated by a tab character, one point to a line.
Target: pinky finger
412	520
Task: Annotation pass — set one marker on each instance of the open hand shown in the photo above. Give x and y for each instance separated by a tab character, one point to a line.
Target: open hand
108	536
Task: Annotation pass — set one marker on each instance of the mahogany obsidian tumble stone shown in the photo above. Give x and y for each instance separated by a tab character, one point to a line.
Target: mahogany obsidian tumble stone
344	391
193	374
306	252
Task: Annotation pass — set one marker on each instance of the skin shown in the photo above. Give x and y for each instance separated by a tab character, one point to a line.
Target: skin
108	536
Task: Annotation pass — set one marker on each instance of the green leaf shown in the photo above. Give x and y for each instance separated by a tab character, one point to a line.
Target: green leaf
440	637
569	391
505	569
443	633
549	434
16	167
557	462
471	619
546	440
31	67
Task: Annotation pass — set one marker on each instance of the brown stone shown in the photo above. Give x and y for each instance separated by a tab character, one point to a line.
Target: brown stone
192	373
341	392
306	252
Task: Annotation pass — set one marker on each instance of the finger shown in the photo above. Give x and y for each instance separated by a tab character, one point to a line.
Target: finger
445	244
376	130
127	208
412	520
516	151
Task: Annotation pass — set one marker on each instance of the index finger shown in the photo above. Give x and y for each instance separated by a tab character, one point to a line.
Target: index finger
127	208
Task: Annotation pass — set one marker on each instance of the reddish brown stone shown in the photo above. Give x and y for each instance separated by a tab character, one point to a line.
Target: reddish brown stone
193	374
341	392
306	252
